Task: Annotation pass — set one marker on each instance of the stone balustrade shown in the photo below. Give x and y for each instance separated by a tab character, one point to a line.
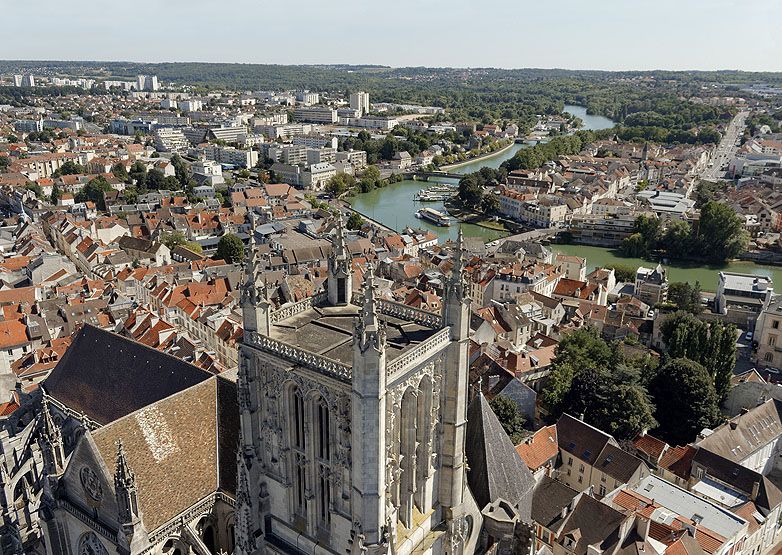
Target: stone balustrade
301	357
286	311
420	352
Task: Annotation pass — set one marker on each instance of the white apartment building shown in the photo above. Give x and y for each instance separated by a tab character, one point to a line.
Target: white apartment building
315	141
321	156
360	101
191	105
315	114
356	158
318	175
307	98
170	139
147	83
229	155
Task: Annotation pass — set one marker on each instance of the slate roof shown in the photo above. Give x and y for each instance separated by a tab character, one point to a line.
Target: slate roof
181	448
592	523
496	470
580	439
106	376
548	500
617	463
746	433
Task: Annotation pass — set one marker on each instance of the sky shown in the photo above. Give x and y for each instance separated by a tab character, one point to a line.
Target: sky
570	34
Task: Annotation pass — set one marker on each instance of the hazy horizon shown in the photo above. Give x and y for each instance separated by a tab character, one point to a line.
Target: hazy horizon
606	35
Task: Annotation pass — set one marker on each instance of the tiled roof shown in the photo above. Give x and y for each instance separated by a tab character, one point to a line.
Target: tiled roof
181	449
540	448
107	376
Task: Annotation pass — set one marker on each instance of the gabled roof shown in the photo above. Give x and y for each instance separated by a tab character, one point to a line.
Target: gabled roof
107	376
540	448
181	449
746	433
592	523
495	471
580	439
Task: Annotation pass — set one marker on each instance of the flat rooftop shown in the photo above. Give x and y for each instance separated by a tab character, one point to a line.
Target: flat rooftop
328	331
690	506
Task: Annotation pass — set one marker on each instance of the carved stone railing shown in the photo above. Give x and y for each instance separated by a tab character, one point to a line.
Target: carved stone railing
420	352
174	525
404	312
293	309
302	357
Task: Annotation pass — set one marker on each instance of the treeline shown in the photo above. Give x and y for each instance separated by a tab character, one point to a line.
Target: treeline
676	396
399	139
718	236
536	156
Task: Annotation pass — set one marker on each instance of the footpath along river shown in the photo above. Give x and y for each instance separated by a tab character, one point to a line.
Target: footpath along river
394	207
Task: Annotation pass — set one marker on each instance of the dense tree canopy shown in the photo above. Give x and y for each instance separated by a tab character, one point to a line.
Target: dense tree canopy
685	400
712	345
230	248
593	379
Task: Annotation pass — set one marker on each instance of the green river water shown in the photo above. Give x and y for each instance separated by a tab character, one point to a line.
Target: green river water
394	207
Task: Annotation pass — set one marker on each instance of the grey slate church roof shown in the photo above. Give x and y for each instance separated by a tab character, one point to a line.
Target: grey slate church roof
496	470
107	376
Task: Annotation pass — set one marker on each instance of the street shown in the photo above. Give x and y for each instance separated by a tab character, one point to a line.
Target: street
726	149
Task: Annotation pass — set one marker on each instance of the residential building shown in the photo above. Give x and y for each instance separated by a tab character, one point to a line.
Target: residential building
742	297
651	284
315	114
359	101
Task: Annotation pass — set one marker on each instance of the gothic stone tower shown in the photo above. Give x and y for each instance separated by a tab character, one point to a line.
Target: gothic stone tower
353	412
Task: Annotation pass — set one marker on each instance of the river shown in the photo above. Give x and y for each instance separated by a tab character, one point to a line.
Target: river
394	207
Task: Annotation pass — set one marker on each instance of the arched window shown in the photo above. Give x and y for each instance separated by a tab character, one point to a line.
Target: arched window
768	357
299	445
323	458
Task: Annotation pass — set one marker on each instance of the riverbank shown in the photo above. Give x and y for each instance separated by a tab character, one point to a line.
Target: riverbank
706	274
486	156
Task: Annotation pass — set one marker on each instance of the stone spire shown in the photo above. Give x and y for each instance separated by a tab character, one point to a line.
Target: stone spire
256	308
246	543
457	284
340	278
131	535
51	443
369	330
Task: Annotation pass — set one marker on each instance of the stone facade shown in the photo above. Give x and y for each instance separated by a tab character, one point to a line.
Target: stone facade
353	414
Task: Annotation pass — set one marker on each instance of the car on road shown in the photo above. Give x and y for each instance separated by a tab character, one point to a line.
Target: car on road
748	336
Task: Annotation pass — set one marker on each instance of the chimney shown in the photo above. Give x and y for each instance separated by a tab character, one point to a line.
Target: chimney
733	424
755	490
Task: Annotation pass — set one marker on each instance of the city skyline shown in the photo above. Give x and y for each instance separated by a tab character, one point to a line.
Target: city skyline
688	35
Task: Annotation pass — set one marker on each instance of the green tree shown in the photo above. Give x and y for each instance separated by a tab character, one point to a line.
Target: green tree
623	273
712	345
5	163
509	415
138	173
180	168
173	238
677	239
685	296
230	249
633	246
685	399
339	184
193	246
721	233
120	172
69	167
490	204
583	348
155	179
355	221
171	183
56	195
471	191
93	191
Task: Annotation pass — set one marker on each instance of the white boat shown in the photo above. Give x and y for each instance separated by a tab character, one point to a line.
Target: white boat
434	216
